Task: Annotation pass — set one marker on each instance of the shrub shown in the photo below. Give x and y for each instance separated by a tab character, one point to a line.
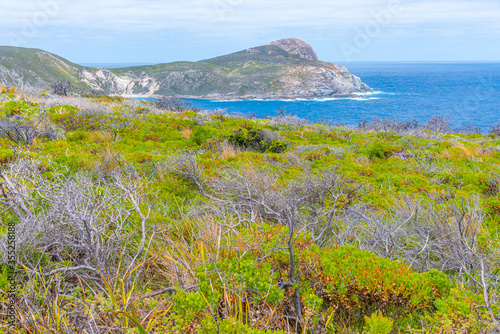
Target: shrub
74	120
172	104
62	88
202	134
277	146
76	137
378	324
359	281
240	280
379	150
492	205
258	139
12	108
495	129
388	125
345	279
460	312
6	154
439	124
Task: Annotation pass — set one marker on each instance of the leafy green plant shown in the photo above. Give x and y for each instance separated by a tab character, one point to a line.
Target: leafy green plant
378	324
378	150
459	311
202	134
257	138
4	284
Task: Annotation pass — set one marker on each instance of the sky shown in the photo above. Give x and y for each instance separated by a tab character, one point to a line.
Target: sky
159	31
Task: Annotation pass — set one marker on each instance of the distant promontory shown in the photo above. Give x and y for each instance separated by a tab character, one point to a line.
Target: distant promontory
286	69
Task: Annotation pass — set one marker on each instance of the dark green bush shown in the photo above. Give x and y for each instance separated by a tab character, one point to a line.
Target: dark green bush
379	150
202	133
256	138
76	137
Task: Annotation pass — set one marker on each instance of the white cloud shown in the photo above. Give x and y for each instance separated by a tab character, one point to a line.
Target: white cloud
195	29
226	15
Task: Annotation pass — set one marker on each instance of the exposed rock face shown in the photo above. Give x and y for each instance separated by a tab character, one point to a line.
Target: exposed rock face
285	69
329	80
297	47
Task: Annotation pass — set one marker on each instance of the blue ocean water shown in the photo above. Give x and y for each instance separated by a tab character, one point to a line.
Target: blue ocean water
468	93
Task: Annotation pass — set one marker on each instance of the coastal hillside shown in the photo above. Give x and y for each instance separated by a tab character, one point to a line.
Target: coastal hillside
288	68
128	216
22	67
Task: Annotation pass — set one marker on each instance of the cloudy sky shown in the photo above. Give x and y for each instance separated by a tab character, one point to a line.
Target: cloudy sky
154	31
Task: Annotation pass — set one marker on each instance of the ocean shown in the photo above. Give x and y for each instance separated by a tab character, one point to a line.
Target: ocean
468	93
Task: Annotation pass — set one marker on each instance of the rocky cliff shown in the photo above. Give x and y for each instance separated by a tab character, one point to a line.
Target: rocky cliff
298	47
288	68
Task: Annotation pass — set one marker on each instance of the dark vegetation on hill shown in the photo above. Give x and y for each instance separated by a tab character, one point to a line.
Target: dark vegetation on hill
130	217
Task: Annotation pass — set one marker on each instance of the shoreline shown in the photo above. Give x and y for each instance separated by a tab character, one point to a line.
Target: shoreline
359	96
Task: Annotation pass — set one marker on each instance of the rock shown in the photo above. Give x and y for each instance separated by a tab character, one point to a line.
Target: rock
297	47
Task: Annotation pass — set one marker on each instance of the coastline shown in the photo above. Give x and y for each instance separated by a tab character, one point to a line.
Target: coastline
360	96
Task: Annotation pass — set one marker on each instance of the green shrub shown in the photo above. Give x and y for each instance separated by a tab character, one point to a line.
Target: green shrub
492	205
378	150
76	136
202	134
231	326
459	312
347	279
4	283
6	154
359	282
246	282
12	108
187	307
276	146
258	139
74	120
378	324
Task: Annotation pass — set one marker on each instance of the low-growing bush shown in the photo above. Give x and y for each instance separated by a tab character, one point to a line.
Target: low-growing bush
379	150
495	129
62	88
173	104
337	285
378	324
461	312
202	134
356	282
258	139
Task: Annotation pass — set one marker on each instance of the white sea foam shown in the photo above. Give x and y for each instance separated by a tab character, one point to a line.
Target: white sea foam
217	101
304	100
376	92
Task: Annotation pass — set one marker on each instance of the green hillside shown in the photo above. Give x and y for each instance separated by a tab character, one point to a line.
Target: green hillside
267	72
39	68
